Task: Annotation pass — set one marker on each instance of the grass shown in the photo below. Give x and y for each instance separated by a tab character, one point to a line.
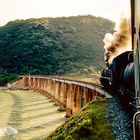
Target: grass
89	124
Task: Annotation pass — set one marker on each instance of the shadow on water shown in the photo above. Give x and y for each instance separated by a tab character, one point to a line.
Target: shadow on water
36	109
36	104
15	118
40	115
35	101
44	125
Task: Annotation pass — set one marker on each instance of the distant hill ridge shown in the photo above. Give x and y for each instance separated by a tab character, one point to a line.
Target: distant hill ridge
53	46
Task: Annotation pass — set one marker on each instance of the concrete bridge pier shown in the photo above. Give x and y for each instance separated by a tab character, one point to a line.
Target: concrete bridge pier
86	99
75	101
33	84
63	96
49	86
70	99
30	83
45	86
42	84
56	92
52	90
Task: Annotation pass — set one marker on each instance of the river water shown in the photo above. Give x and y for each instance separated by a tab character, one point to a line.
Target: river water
27	115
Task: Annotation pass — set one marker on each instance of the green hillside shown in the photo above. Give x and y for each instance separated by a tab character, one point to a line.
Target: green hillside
89	124
53	46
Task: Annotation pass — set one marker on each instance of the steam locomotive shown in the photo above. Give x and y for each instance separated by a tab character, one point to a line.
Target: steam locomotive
119	76
123	73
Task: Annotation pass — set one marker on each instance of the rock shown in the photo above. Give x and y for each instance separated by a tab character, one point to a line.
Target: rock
8	131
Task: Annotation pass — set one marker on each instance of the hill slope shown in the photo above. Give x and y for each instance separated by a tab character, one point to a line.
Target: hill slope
53	46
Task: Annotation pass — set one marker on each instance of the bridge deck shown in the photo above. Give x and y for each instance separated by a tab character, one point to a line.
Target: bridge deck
30	113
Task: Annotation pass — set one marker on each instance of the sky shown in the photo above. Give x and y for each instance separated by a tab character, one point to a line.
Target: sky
24	9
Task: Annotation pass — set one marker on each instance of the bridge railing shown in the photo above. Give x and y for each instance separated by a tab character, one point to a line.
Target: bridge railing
71	95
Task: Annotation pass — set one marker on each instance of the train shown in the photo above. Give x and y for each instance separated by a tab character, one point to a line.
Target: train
119	76
123	73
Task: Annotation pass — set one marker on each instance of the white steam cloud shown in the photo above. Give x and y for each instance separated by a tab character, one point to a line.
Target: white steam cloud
119	41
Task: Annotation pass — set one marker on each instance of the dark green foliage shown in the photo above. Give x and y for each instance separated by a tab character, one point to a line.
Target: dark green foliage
53	46
6	78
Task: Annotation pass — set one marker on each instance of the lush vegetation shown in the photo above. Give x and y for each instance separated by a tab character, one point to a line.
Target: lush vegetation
53	46
7	78
89	124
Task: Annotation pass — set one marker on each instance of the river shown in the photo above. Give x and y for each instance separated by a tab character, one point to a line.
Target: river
27	115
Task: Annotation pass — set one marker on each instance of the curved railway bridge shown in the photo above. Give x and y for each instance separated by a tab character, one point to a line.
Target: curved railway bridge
71	95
